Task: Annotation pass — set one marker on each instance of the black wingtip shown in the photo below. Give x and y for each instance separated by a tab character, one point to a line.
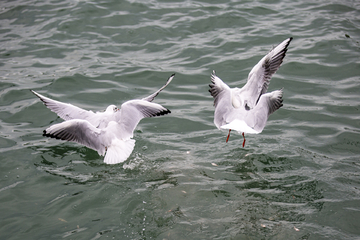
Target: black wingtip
288	43
172	75
45	134
167	111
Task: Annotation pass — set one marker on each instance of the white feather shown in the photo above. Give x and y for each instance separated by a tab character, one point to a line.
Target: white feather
247	109
119	150
109	131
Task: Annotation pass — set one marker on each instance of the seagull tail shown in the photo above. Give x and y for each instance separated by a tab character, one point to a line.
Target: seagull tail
239	126
119	151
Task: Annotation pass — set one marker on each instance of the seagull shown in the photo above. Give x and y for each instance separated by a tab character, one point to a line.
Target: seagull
247	109
110	132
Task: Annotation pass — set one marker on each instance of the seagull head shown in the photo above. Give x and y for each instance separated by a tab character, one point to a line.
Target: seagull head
112	109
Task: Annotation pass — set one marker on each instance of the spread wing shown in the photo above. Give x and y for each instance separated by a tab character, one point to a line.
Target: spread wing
218	89
79	131
268	103
66	111
222	95
260	75
152	96
132	112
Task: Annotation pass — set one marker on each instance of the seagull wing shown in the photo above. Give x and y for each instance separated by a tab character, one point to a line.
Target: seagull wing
119	150
260	75
79	131
152	96
132	112
268	103
222	95
66	111
218	88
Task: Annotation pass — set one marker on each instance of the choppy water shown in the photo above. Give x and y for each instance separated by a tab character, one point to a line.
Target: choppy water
298	179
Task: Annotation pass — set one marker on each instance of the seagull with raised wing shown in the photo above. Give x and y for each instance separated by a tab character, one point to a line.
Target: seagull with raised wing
110	132
247	109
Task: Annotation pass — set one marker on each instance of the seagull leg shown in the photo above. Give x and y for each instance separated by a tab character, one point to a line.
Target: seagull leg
244	140
227	139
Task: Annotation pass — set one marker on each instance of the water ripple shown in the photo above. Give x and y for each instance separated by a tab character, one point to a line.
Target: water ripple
182	181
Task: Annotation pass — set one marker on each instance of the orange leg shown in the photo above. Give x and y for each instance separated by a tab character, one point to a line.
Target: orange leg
244	140
228	136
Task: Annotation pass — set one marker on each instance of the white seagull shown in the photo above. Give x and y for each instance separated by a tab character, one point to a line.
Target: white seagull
110	132
247	109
